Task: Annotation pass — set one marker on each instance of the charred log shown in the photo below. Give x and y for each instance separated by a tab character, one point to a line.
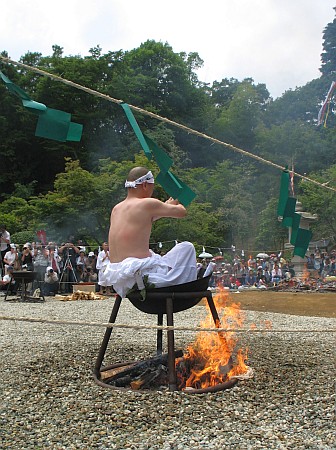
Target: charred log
138	369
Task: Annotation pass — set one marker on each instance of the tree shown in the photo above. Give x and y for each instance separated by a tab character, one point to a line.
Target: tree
237	122
321	202
296	141
270	235
328	56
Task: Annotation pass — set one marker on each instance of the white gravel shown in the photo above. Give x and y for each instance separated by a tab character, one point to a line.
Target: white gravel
49	399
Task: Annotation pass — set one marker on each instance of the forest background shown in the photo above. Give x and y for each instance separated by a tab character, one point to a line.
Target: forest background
69	189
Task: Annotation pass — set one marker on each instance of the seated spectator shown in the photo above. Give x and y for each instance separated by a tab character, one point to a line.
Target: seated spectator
333	265
250	280
226	279
81	264
234	282
92	261
8	282
276	274
89	275
267	275
327	268
50	285
11	257
260	277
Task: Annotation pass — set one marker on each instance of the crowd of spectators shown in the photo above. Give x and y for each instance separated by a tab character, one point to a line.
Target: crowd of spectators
264	272
57	267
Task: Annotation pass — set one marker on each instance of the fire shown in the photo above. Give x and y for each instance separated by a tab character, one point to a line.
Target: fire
208	361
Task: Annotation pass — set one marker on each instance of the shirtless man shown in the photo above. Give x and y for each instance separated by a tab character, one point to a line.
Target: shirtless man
131	225
131	220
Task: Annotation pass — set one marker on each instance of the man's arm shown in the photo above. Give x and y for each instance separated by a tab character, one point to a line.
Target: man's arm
5	237
170	208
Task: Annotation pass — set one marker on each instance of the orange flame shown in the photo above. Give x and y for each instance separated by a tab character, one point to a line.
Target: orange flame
208	361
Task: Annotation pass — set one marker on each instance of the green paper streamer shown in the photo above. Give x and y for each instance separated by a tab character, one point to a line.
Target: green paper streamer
187	195
162	159
302	242
33	106
13	88
136	129
53	124
75	132
57	125
288	214
295	228
169	184
284	184
176	188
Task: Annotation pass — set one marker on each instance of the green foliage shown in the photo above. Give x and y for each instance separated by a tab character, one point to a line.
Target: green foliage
321	202
237	122
328	56
201	226
21	237
297	142
271	235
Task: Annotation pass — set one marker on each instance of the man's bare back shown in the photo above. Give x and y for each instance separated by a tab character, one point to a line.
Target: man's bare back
131	222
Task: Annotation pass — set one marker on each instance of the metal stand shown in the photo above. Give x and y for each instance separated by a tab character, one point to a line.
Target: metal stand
159	301
69	268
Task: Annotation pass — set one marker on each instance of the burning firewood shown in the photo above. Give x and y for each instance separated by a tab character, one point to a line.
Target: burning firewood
138	370
151	376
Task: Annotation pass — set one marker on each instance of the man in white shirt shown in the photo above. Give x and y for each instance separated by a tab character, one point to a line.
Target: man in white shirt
8	279
50	286
102	262
10	257
4	243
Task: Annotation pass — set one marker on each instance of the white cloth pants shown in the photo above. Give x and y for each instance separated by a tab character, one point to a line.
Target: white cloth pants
178	266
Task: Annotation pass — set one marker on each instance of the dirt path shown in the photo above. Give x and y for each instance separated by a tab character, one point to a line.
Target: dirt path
297	303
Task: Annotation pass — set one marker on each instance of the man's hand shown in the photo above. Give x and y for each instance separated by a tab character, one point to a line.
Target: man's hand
172	201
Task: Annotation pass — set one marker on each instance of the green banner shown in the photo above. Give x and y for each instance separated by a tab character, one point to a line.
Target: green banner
136	129
52	123
295	227
288	214
302	242
163	160
176	188
57	125
284	186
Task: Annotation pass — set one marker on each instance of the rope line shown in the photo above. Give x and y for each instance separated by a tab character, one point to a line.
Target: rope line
158	327
163	119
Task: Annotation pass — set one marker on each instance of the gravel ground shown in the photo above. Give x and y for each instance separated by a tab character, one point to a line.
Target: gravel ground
49	398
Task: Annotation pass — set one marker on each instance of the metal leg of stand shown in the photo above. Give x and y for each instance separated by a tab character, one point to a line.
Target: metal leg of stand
40	285
171	346
8	286
213	310
159	335
107	336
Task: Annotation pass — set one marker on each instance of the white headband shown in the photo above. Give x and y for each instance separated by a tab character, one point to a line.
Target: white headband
133	184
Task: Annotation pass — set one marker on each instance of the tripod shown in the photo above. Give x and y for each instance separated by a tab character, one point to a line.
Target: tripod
67	269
